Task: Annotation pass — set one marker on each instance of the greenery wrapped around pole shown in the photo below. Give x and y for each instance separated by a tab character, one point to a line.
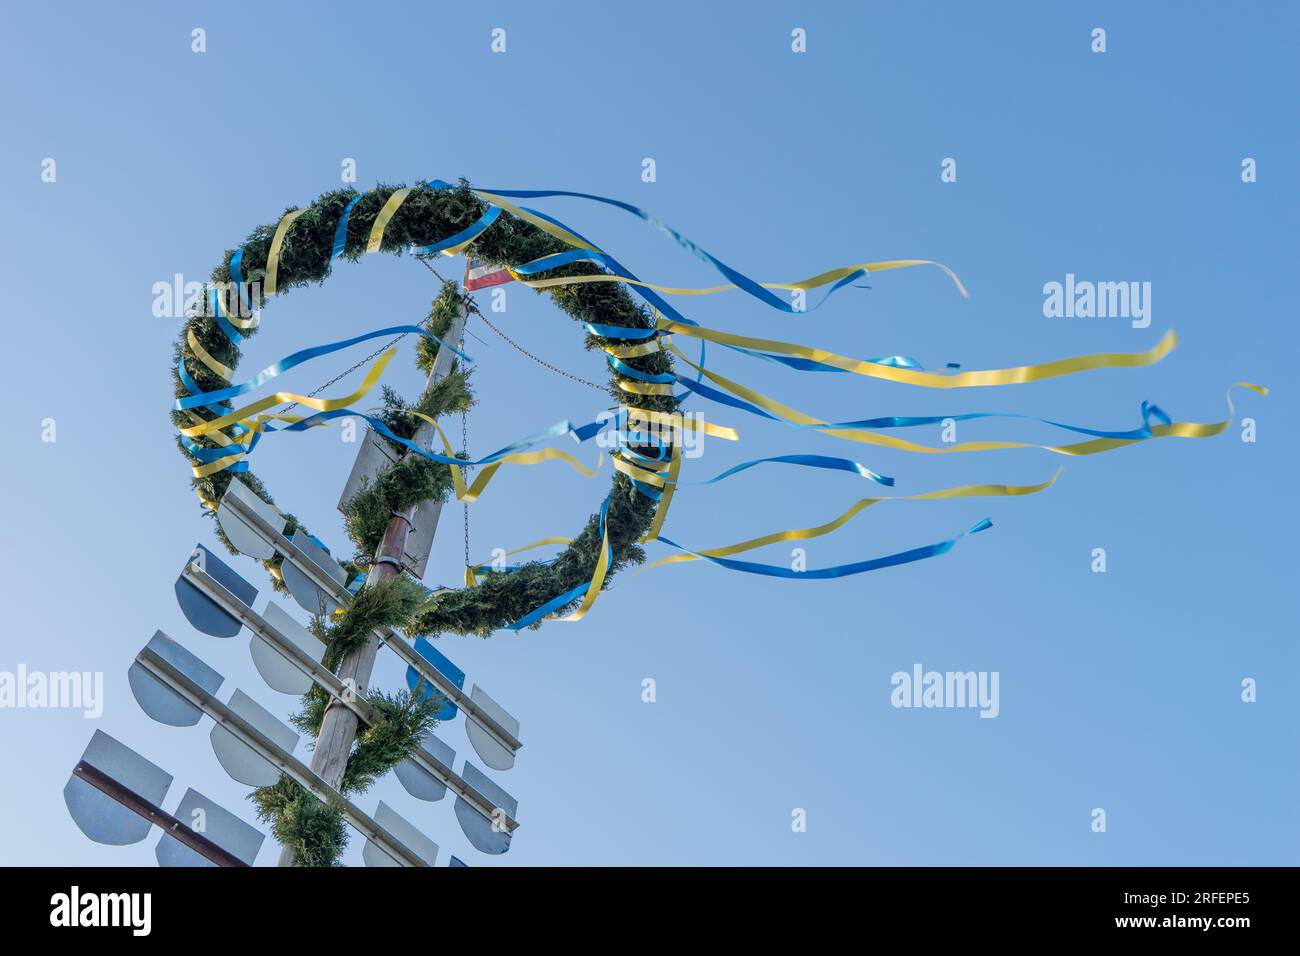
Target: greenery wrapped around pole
314	831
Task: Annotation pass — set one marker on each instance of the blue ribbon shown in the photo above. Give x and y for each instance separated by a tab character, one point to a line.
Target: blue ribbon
465	235
341	230
231	332
739	279
556	603
298	358
1149	411
841	570
237	277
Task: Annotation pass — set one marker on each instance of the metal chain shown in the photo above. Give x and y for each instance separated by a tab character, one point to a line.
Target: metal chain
379	351
541	362
471	307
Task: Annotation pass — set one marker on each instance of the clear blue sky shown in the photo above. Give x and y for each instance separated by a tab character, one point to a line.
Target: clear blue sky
1119	691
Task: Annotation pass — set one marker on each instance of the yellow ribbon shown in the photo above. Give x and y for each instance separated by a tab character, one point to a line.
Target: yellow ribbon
273	256
804	534
1089	447
642	472
548	227
385	214
678	421
661	512
245	324
192	340
471	570
472	493
597	582
319	404
636	351
907	376
813	282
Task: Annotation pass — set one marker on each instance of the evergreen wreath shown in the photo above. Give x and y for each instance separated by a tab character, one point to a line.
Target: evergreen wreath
427	216
314	831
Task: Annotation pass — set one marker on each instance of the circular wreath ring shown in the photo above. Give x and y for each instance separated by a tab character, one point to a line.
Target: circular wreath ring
429	215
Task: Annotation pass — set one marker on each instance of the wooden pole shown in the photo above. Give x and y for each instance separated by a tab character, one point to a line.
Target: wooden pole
338	729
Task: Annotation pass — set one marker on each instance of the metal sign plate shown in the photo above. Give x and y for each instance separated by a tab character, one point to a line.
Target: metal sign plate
481	831
304	590
374	454
157	699
245	539
98	815
217	824
280	673
445	667
418	782
199	609
241	761
402	830
494	754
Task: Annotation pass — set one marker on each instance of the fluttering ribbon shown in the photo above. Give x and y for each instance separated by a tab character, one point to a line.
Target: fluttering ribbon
653	465
341	230
474	571
755	403
278	398
805	534
588	591
840	570
911	376
737	280
306	355
269	284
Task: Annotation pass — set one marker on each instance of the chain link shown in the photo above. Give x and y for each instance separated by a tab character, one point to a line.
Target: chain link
541	362
379	351
472	308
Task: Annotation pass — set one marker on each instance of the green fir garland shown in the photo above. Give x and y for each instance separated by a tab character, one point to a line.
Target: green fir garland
426	216
311	829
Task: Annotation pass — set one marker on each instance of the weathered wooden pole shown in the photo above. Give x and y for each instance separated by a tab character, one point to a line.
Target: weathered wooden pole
338	729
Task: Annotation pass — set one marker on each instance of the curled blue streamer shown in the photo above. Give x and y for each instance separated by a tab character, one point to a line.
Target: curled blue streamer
1149	411
237	277
804	461
341	230
739	279
465	235
554	431
298	358
231	332
554	604
841	570
623	368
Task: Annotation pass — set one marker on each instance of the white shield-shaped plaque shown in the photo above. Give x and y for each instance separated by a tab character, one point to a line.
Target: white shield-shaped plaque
237	758
246	539
279	671
214	822
388	818
494	753
98	815
157	699
309	596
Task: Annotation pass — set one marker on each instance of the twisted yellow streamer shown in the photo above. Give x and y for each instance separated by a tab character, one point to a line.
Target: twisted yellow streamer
319	404
813	282
273	255
224	371
385	214
907	376
804	534
1089	447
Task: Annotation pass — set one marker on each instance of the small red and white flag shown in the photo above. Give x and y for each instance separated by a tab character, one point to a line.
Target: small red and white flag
480	276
